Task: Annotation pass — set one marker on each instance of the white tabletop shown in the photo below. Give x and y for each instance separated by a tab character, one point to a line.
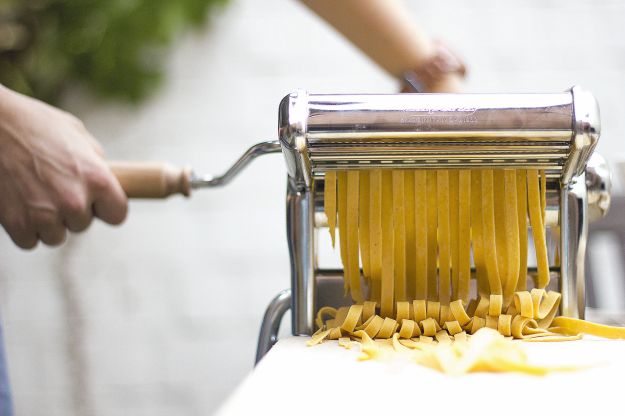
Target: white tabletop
328	379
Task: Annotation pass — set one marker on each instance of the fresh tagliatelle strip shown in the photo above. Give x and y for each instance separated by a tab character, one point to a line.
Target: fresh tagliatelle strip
449	349
416	234
352	269
329	198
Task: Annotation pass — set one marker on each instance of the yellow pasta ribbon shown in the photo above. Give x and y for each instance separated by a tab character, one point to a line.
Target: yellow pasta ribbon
326	311
421	237
543	195
490	246
419	309
458	312
521	185
464	236
444	278
477	225
352	271
414	232
511	236
329	197
364	197
411	248
403	311
388	266
454	224
499	189
375	233
574	326
399	233
342	214
353	316
368	310
432	224
538	229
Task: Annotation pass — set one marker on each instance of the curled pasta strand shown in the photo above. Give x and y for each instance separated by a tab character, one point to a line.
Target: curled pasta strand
353	316
403	311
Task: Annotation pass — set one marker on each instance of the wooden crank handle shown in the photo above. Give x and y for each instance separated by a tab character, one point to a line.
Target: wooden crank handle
151	179
160	180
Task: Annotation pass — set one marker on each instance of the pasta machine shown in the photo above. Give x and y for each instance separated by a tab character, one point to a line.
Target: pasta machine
554	132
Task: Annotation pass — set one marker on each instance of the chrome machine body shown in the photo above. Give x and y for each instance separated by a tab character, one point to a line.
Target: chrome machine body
321	132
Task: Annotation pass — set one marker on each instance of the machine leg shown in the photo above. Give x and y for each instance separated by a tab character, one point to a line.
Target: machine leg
271	323
573	235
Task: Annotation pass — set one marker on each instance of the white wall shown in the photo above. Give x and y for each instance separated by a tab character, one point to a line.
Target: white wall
161	316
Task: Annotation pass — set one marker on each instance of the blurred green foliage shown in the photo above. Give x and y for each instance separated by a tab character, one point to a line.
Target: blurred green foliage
113	47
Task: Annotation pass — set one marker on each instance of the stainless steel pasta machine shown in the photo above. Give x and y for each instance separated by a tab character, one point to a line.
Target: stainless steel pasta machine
554	132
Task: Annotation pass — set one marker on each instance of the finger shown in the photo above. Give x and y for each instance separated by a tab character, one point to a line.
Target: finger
53	235
23	238
14	218
78	222
47	222
110	202
76	210
22	234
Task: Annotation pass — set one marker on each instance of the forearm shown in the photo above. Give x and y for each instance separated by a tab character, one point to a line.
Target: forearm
6	105
385	31
9	123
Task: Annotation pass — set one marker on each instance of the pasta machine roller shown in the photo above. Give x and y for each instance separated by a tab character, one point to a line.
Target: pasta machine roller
555	132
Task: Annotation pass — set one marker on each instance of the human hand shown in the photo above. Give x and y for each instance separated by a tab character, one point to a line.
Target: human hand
443	71
53	177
